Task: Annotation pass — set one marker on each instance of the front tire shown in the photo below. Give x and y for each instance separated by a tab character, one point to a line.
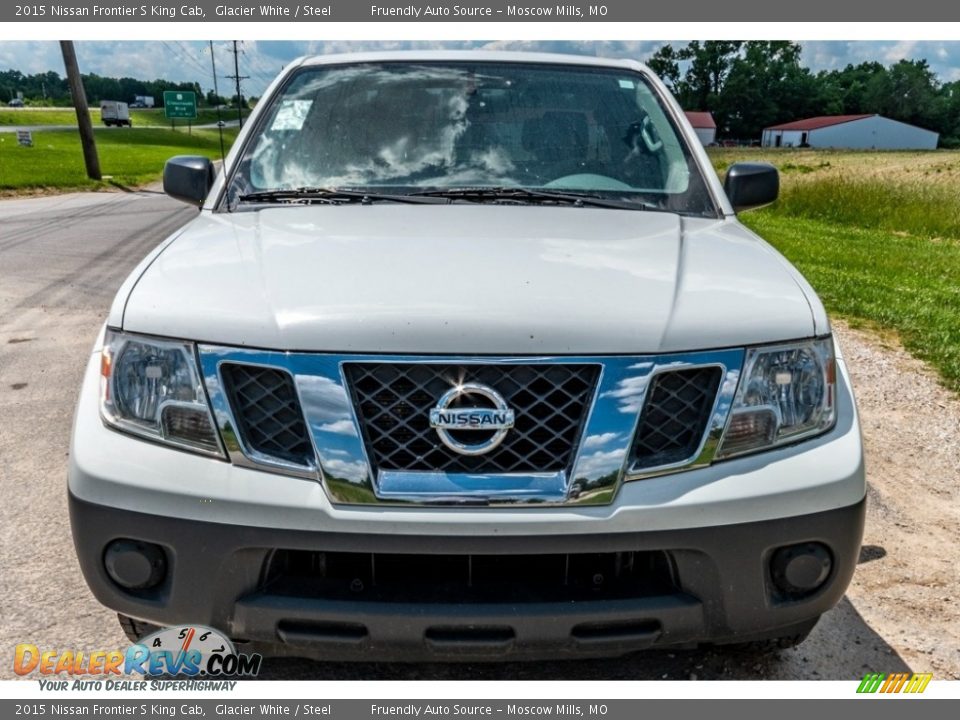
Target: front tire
135	629
770	645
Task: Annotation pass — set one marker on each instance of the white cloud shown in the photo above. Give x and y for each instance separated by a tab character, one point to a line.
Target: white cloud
595	441
629	392
355	471
600	463
340	427
904	50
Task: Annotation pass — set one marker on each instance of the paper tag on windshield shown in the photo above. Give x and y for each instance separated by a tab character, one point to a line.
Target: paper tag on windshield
291	114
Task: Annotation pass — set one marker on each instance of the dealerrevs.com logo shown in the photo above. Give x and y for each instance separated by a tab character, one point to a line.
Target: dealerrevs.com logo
186	651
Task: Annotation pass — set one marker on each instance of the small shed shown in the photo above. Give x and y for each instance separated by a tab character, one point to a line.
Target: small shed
703	125
863	132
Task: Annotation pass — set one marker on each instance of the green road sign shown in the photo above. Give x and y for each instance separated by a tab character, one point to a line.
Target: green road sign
179	104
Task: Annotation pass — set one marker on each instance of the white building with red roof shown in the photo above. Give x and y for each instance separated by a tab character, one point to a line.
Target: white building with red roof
703	125
860	132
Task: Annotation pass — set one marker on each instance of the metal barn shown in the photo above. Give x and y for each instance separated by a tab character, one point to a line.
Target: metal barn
703	125
858	132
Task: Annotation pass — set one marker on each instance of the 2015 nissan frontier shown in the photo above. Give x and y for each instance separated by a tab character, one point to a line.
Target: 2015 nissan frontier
466	355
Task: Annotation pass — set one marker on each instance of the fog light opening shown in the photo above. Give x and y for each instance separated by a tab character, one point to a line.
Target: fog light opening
799	570
135	565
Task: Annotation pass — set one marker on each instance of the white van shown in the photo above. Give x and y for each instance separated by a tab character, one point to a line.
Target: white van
113	112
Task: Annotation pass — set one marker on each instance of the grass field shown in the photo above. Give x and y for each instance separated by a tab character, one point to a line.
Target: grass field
130	156
29	117
877	234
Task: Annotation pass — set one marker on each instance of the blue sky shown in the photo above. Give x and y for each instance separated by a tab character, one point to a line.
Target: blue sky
262	60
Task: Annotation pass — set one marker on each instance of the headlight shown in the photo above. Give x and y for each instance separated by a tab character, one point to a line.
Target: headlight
786	393
152	388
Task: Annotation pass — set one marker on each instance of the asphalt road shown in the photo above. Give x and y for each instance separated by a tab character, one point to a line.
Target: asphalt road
61	261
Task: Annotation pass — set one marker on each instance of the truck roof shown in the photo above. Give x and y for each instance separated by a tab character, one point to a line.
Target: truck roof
470	56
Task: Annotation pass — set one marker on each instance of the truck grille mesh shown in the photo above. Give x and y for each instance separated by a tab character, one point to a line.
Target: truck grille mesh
267	412
393	403
675	416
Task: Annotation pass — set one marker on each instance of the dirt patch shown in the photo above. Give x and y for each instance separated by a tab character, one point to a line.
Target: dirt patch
909	591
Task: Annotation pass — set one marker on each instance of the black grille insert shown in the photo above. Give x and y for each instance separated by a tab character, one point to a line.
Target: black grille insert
267	411
393	403
675	416
401	578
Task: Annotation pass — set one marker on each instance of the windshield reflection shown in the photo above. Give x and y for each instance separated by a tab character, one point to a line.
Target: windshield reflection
414	126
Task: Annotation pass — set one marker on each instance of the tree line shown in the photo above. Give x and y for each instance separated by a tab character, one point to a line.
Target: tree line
747	85
50	89
750	85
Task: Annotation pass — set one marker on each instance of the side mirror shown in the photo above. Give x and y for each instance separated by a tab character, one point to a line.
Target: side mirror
188	178
750	185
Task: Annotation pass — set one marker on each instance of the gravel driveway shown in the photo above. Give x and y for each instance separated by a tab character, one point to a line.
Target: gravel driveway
907	587
61	260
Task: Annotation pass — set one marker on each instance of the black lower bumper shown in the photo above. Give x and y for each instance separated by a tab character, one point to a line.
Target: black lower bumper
702	585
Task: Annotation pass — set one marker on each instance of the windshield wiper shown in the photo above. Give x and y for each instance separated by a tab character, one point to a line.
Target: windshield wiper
330	196
526	195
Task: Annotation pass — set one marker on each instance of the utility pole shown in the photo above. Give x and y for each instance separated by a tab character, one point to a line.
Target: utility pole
238	77
87	141
216	95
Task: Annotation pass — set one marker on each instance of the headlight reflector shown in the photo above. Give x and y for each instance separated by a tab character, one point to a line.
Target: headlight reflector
152	388
786	392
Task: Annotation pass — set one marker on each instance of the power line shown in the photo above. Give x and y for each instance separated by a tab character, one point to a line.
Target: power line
196	62
258	68
180	55
191	58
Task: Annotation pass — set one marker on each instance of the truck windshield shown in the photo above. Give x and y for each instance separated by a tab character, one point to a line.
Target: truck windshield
402	128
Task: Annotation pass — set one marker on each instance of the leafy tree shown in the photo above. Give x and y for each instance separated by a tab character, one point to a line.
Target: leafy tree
710	62
913	94
766	85
665	62
212	99
849	87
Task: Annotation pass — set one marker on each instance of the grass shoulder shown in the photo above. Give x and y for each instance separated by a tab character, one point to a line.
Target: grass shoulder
907	284
146	117
130	156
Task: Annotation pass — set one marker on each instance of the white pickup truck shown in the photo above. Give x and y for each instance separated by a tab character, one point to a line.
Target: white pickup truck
466	355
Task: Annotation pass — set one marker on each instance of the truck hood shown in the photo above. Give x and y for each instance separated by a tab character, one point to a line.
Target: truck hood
468	279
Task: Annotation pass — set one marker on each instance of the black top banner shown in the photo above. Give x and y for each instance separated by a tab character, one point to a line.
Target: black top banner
478	11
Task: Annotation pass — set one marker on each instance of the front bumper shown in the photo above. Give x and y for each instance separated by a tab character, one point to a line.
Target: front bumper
721	589
713	532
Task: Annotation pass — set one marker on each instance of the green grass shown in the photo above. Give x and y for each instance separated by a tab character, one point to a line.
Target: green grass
131	156
878	236
205	116
28	117
915	208
909	284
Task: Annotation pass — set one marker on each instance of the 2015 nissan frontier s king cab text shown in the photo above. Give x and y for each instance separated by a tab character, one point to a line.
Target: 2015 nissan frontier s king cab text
466	355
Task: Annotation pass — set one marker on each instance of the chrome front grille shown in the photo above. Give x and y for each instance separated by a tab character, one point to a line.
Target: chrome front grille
675	417
393	403
268	414
360	424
